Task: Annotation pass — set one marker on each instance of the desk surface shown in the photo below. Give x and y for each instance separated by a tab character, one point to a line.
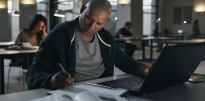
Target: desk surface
173	35
24	96
184	41
6	52
184	92
143	38
6	43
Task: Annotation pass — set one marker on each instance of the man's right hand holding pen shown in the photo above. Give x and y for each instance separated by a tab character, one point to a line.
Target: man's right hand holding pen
61	79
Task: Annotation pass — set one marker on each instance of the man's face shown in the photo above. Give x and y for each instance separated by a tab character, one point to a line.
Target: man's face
92	21
128	27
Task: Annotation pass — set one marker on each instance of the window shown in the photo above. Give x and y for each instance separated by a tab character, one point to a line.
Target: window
177	15
182	14
111	25
150	14
9	5
42	7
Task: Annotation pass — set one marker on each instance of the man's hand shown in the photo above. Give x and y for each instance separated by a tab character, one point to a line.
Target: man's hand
61	80
144	70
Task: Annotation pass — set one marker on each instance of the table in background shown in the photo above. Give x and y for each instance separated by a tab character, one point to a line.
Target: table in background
179	42
5	44
177	36
144	39
9	54
185	92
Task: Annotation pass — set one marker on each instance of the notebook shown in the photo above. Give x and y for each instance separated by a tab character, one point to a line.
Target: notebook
174	66
77	92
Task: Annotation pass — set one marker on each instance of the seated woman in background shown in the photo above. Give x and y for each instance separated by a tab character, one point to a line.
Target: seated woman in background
33	34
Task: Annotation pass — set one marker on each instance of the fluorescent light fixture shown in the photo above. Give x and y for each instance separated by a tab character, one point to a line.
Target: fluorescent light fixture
3	4
39	0
59	13
199	6
15	13
123	1
28	2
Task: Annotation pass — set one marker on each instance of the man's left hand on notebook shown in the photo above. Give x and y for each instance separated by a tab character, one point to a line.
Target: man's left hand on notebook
143	70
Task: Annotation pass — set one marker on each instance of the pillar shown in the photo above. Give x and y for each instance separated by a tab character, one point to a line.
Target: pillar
4	26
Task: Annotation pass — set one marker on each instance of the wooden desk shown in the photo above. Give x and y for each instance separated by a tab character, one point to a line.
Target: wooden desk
5	44
144	39
184	92
9	54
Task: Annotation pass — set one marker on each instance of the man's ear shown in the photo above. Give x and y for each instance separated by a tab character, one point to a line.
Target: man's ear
82	9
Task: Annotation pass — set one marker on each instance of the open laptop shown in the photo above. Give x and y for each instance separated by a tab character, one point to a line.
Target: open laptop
174	66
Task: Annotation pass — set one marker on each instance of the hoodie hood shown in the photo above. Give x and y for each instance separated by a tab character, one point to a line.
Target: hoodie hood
72	25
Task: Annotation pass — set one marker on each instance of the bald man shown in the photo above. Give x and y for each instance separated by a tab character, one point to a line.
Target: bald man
83	48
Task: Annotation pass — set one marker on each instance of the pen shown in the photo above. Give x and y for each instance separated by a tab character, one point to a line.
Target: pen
61	67
94	84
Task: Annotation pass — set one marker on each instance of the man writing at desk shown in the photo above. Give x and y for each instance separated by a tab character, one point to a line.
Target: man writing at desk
83	48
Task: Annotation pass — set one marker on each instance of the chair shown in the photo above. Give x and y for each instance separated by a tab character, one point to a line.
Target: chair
15	63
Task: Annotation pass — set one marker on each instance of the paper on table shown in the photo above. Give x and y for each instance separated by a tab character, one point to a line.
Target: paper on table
89	90
24	46
86	96
53	98
36	47
77	94
96	89
27	44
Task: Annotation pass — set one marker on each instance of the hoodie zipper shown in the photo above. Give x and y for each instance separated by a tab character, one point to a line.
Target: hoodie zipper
109	50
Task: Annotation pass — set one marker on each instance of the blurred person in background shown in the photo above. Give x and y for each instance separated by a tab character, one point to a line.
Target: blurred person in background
125	33
195	30
35	32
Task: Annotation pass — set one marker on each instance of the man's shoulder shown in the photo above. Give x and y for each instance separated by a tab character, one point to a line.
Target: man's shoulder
104	32
105	35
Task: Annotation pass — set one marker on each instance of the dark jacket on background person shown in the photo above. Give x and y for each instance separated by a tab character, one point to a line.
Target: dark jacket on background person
124	32
59	47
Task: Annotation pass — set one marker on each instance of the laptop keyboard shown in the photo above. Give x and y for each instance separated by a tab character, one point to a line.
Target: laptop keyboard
133	85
